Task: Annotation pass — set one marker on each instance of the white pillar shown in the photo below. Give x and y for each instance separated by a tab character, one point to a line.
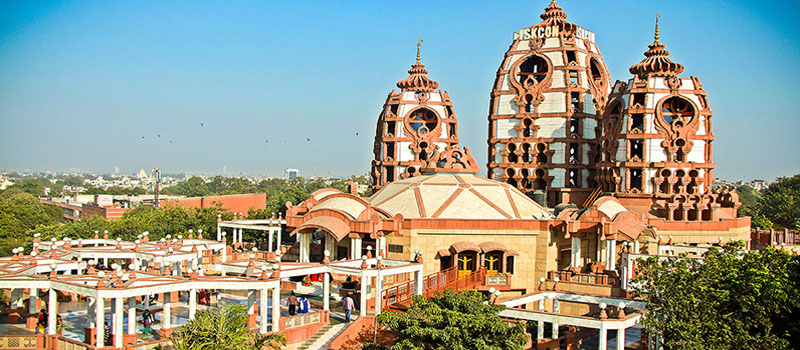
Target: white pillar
382	246
219	233
269	235
91	304
621	339
278	232
251	301
602	338
576	252
16	298
52	311
636	247
263	310
555	325
100	319
612	254
131	315
166	314
378	289
540	330
355	246
364	283
599	245
224	256
276	309
418	282
326	291
32	300
192	303
118	313
305	243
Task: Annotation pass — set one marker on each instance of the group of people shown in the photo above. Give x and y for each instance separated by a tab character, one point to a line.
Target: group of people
297	305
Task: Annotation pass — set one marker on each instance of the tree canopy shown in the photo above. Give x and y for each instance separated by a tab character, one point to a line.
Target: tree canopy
777	206
223	328
730	299
454	321
21	212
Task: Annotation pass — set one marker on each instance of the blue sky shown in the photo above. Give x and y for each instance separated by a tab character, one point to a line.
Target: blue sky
82	82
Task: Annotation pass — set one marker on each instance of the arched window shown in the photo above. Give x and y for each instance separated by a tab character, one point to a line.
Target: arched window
676	109
596	70
423	120
535	67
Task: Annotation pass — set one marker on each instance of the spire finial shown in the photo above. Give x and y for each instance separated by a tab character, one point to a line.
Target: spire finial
419	43
657	36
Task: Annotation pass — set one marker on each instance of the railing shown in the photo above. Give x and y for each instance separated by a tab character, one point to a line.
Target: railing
69	344
588	278
498	280
30	341
304	320
435	282
772	237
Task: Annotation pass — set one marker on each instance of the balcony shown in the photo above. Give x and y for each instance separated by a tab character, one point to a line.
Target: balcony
604	284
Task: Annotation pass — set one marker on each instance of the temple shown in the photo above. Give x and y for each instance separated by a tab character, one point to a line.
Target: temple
583	177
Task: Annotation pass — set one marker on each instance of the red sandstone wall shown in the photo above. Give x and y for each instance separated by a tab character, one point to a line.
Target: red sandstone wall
238	203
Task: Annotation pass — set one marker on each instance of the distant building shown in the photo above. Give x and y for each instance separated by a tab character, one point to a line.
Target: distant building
292	173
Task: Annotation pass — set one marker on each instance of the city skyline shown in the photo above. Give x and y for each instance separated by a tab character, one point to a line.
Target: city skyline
260	88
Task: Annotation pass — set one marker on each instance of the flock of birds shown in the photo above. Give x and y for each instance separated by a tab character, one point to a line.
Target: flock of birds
265	141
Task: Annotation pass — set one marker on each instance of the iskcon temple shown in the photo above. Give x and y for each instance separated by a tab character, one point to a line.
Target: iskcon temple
585	174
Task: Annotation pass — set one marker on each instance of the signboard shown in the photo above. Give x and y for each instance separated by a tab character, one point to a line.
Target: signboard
550	32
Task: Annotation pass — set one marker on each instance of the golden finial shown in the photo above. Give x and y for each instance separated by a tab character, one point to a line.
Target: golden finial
657	16
419	43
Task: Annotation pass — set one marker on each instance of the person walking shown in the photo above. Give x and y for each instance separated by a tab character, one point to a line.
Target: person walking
147	321
348	305
293	302
107	334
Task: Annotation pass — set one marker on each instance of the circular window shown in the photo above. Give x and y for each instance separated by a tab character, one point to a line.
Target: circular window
677	109
534	67
423	120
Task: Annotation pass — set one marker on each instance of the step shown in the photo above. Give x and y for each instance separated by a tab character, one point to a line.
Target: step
324	340
306	344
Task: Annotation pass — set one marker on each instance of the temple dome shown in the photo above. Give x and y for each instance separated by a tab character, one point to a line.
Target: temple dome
456	196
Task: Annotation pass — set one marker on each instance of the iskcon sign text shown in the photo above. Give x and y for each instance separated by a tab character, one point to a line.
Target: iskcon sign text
550	32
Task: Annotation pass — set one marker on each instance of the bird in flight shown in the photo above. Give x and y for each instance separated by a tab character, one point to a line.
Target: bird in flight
266	141
142	136
201	124
159	135
170	141
356	134
307	139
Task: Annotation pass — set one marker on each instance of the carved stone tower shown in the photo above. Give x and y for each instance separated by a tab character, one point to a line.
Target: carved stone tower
415	125
548	95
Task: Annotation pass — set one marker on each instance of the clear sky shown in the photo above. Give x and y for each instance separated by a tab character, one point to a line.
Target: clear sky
93	84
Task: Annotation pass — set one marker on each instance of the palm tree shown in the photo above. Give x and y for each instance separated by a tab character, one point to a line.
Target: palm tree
223	329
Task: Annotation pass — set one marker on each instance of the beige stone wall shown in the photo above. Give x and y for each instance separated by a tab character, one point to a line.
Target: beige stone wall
741	233
531	245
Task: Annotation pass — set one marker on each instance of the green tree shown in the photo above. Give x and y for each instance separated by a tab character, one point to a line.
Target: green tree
194	187
21	212
780	203
728	300
35	186
455	321
223	329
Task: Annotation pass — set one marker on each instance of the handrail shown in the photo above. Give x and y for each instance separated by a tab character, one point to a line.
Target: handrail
435	282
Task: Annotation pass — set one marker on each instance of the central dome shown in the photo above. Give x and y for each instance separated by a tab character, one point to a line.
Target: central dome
456	196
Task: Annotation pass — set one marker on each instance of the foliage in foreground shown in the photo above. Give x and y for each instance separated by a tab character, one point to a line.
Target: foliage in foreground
453	321
223	328
775	207
728	300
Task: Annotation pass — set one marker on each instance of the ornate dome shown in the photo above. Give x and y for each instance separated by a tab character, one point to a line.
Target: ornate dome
456	196
656	61
418	79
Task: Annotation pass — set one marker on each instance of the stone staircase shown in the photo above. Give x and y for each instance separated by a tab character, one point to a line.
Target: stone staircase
323	336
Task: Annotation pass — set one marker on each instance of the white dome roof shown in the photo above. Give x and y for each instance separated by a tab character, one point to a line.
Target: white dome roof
456	196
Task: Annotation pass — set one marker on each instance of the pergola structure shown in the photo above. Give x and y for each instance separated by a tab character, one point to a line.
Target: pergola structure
272	226
143	268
